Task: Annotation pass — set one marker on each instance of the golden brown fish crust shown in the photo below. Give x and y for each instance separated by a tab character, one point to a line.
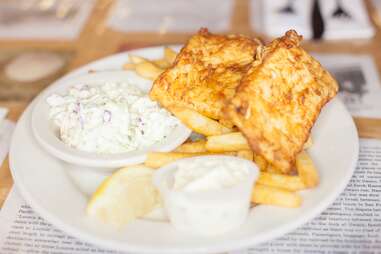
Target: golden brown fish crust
205	73
279	100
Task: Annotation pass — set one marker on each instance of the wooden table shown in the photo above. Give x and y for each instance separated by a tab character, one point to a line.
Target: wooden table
96	41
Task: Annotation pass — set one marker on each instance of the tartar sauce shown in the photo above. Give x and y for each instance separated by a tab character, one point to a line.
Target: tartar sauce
208	175
109	118
207	195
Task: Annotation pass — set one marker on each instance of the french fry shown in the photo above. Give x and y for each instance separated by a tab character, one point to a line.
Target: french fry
291	183
226	123
169	55
159	159
271	169
245	154
148	70
308	143
162	63
224	153
234	141
261	162
275	196
136	59
199	123
192	147
129	66
306	169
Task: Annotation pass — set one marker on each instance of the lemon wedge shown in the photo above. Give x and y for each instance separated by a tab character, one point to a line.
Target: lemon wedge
124	196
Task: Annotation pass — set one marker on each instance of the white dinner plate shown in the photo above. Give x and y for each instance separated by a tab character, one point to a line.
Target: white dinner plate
45	184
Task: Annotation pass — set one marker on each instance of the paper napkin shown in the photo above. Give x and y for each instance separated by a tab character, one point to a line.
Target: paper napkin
275	17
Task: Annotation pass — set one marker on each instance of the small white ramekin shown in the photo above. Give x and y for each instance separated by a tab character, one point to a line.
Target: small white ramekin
206	213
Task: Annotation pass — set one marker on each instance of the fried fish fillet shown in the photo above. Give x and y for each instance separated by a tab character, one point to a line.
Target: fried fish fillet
205	73
279	100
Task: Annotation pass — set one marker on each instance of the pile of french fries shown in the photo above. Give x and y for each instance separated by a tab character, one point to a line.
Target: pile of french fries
150	69
272	187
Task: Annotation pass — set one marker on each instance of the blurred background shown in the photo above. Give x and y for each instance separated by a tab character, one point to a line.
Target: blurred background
41	40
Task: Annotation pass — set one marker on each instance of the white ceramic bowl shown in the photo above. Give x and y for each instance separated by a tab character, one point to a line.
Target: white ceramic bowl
47	135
